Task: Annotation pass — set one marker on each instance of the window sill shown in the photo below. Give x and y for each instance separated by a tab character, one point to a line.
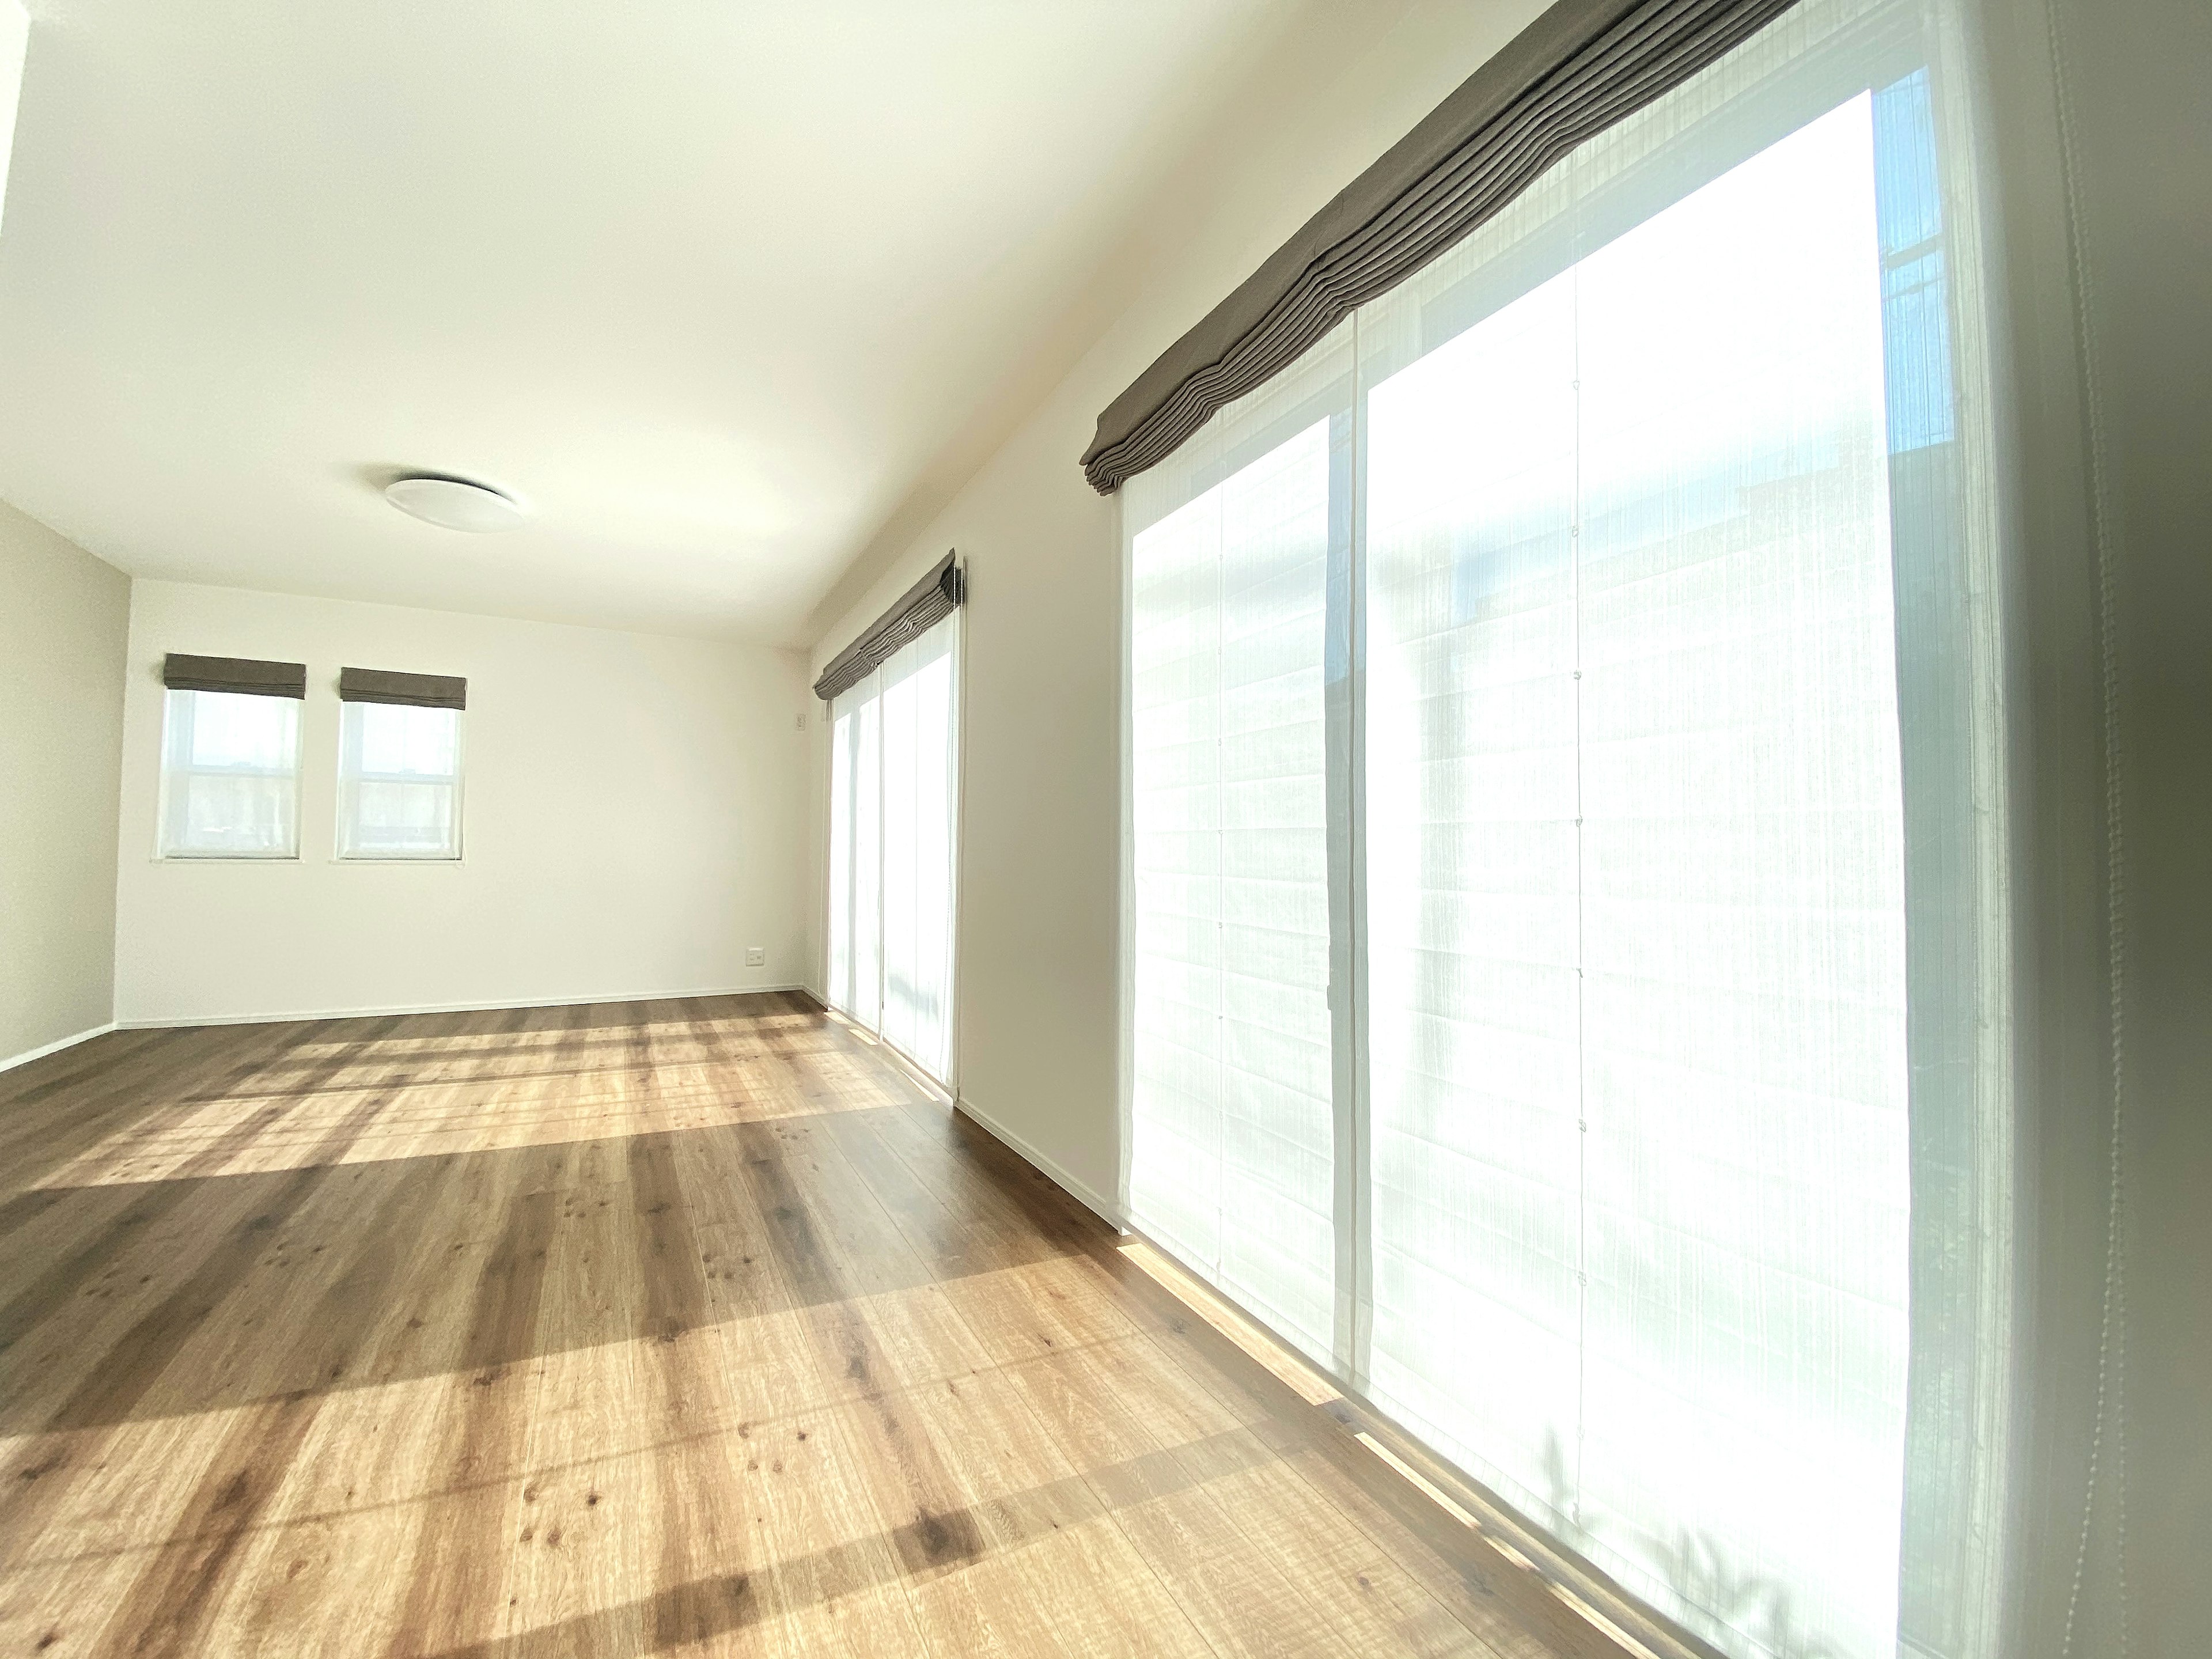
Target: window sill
226	858
289	857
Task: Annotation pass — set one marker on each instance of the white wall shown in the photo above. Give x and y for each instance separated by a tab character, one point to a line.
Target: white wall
63	617
634	816
1039	928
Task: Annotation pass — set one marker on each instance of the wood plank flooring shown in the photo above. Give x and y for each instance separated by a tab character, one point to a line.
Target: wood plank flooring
672	1327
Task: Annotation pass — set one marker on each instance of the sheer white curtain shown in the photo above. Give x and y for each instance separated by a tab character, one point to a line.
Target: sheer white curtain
1472	908
1636	895
1232	1160
230	775
893	808
920	800
399	782
844	740
1667	1171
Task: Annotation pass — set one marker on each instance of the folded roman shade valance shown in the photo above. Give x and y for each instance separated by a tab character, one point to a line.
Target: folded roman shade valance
417	690
245	675
1579	68
927	603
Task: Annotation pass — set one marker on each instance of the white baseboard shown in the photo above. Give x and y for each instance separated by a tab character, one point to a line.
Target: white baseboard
571	1001
55	1047
1081	1191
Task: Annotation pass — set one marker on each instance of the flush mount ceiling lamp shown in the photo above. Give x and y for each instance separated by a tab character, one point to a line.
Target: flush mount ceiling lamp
453	503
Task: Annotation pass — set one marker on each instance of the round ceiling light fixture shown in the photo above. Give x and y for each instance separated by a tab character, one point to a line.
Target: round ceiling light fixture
453	503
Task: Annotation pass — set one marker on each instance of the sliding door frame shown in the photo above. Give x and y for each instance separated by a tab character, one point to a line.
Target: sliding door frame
957	794
1870	52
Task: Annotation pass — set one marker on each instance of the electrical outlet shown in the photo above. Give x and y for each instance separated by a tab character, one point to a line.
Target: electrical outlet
756	956
799	721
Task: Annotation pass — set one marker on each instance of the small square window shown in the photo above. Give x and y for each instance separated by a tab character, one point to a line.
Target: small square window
230	776
399	782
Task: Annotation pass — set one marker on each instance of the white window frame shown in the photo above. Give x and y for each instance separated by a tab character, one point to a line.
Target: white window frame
167	799
346	779
949	1081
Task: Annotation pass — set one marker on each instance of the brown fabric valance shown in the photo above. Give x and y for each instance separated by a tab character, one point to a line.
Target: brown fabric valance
1575	70
244	675
927	603
417	690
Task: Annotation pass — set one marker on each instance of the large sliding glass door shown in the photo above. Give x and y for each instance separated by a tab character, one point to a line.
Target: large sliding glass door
894	800
1233	1051
1539	1010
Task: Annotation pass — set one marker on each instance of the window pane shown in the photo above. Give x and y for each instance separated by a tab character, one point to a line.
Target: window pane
1749	1184
866	1005
399	782
1232	1155
840	858
1472	905
230	775
918	809
893	807
395	739
1640	1182
1665	781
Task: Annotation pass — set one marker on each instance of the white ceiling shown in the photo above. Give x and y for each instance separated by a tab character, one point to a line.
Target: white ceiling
708	284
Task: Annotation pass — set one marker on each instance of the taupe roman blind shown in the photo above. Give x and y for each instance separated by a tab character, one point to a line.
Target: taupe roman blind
418	691
924	605
1579	68
245	675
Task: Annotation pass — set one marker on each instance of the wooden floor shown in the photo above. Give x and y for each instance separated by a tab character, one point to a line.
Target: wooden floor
660	1327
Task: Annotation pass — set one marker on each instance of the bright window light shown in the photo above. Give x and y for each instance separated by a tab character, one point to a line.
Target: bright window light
399	782
1562	913
230	776
894	798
